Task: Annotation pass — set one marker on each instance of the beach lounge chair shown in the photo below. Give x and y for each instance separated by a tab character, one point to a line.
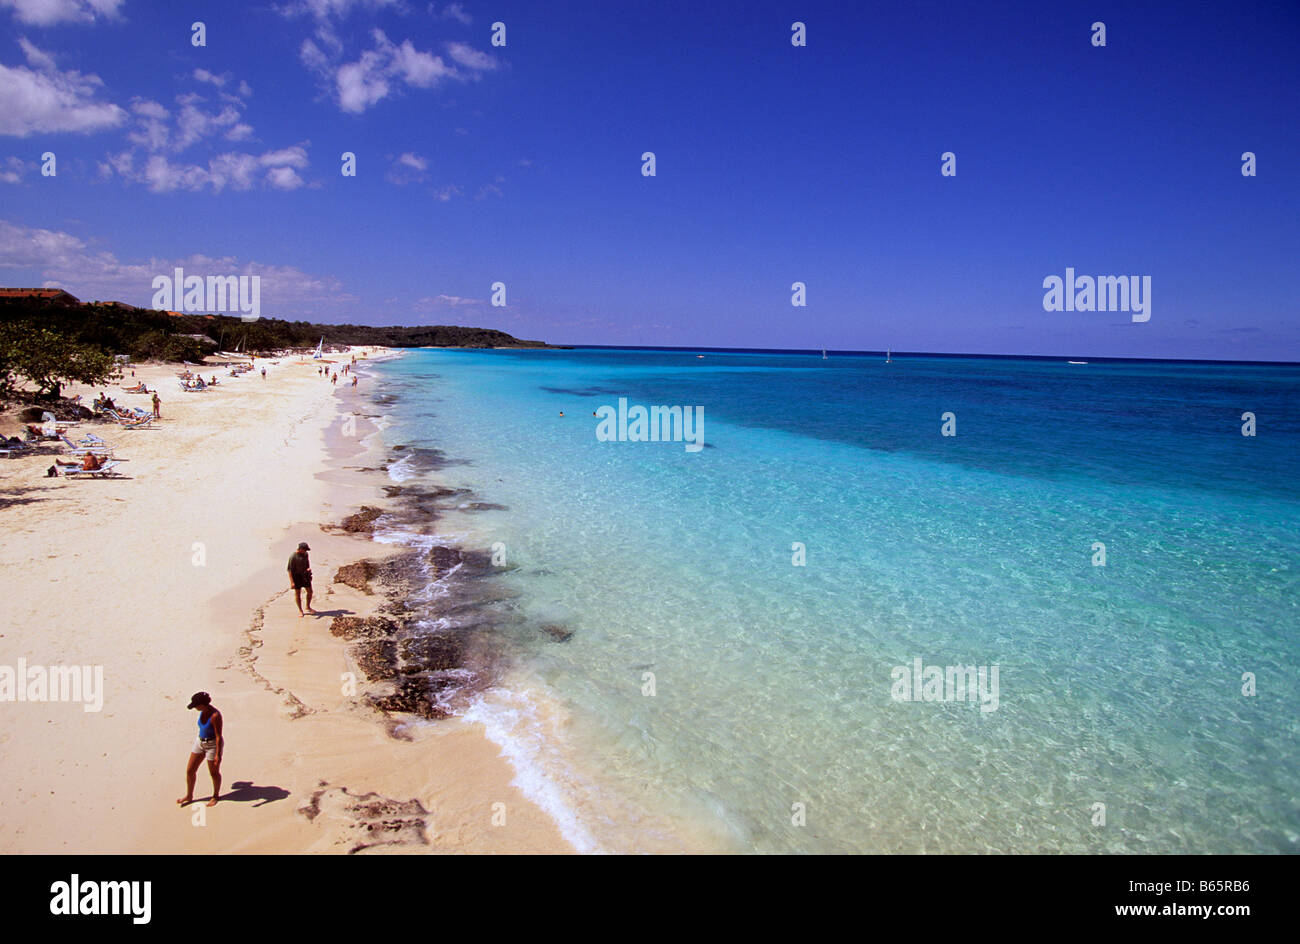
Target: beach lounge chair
99	448
107	470
14	447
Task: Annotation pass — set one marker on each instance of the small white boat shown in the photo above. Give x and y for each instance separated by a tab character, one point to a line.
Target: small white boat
823	353
1076	362
888	356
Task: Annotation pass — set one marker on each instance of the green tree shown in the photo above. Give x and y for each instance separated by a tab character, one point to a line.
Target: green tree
48	359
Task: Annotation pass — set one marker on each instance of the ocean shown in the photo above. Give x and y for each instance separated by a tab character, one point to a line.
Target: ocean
1069	626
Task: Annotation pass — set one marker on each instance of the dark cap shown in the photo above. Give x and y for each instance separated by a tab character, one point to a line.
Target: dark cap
199	698
302	546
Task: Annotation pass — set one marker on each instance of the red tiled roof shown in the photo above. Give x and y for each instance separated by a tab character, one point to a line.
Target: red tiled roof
34	292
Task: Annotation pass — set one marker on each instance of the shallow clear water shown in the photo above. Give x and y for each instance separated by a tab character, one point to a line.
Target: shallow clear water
1118	684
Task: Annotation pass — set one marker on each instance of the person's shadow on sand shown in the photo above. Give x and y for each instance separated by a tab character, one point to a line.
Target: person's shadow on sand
243	791
330	613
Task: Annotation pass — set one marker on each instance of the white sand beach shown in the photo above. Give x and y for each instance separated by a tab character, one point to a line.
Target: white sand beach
172	578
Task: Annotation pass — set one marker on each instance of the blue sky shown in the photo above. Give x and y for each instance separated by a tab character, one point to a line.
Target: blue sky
775	164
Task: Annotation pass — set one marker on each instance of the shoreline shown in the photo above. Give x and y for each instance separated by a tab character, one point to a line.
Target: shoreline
531	723
169	603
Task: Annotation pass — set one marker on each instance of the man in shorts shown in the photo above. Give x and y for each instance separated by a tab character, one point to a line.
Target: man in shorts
210	743
300	577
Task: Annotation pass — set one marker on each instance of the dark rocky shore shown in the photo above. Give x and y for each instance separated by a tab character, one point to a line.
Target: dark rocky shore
438	635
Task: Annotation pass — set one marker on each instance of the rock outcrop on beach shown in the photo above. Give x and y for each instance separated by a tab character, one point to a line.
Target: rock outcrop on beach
369	819
431	653
416	697
362	627
356	575
424	652
361	522
376	658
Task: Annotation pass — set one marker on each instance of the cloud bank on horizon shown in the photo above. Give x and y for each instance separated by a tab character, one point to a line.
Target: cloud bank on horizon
844	179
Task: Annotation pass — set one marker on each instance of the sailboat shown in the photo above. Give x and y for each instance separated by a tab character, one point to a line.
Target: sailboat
888	356
823	353
320	349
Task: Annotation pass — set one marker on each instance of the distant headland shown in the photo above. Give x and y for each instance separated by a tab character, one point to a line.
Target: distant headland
149	334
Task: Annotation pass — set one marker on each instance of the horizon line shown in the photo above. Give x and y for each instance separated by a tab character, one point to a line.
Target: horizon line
851	352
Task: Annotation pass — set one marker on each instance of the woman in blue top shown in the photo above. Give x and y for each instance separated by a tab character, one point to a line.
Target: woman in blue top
210	744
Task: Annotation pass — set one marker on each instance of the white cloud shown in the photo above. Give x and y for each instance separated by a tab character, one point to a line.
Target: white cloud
160	133
203	75
193	122
51	101
66	260
421	69
49	12
162	176
454	11
283	178
382	69
36	58
12	170
331	9
27	247
471	58
193	125
362	83
445	301
295	156
122	163
408	168
311	56
233	169
491	189
149	109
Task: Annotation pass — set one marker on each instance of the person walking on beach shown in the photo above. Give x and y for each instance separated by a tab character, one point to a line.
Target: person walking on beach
263	373
210	743
300	577
354	381
157	406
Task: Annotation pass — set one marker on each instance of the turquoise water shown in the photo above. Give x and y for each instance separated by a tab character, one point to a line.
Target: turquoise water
771	726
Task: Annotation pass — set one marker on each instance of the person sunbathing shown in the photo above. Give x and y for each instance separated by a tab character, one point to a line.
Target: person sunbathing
89	463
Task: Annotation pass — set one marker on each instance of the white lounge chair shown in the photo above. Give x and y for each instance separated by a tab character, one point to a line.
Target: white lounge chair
99	447
107	470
